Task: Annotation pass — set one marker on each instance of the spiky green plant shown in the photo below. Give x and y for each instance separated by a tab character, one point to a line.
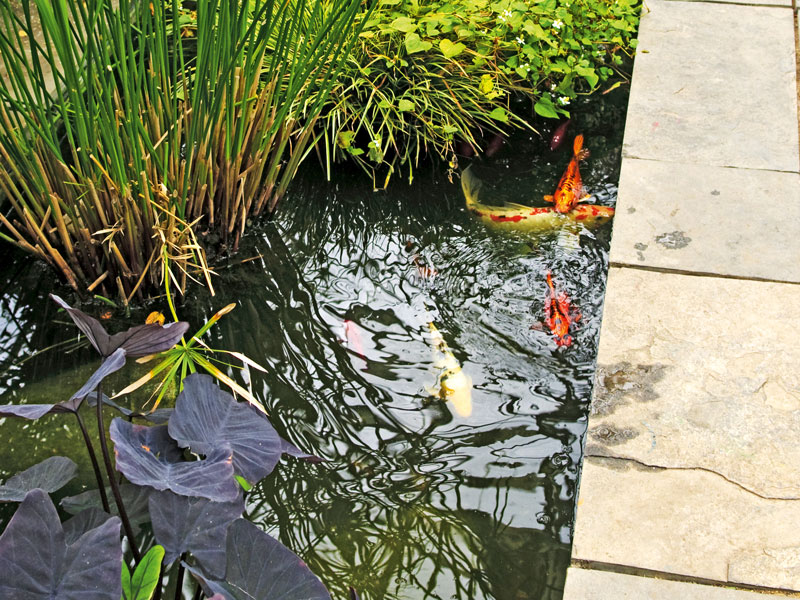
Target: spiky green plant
143	137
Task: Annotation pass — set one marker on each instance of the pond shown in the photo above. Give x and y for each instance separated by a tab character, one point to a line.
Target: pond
418	497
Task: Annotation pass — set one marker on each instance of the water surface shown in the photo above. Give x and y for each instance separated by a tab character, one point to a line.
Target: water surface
415	500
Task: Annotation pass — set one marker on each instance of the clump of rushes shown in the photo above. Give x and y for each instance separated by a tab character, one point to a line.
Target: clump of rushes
426	74
144	136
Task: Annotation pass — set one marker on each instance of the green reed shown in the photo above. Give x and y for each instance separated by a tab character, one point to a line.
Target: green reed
124	135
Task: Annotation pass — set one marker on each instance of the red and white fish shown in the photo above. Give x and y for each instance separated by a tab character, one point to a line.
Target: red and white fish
559	313
518	217
570	187
353	338
558	135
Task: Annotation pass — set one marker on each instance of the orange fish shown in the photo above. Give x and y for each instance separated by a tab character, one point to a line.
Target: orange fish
559	313
155	317
570	187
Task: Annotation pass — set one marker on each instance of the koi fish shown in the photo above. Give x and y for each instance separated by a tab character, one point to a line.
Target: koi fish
353	338
452	384
518	217
155	317
559	313
558	135
570	187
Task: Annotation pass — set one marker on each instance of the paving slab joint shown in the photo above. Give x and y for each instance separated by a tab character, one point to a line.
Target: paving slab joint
642	464
690	273
667	576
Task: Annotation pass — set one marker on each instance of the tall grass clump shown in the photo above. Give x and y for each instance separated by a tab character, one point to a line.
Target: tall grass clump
148	135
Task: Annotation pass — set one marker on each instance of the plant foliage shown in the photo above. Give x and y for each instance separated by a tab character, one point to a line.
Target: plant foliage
193	504
120	137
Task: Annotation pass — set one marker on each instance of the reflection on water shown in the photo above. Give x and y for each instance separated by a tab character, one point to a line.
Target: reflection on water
417	499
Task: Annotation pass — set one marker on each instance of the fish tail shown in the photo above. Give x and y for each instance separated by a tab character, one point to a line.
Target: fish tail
581	153
550	281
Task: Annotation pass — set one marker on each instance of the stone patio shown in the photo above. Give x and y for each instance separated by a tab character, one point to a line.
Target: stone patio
692	461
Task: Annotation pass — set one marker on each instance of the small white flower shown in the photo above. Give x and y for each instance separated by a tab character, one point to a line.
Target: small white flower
552	87
520	41
558	24
563	100
502	19
507	13
376	143
526	66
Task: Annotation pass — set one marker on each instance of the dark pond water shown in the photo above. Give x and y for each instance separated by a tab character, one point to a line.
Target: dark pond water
420	498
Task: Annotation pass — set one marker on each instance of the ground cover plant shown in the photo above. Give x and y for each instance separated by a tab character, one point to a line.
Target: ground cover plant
428	74
177	495
141	139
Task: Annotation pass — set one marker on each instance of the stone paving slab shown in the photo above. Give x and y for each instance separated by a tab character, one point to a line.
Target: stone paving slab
685	522
701	372
783	3
734	222
588	584
692	463
714	84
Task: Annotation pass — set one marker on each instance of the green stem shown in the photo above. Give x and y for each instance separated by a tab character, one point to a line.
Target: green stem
126	524
93	457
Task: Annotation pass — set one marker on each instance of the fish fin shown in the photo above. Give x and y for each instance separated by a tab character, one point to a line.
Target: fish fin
549	199
582	155
586	198
516	206
538	326
577	145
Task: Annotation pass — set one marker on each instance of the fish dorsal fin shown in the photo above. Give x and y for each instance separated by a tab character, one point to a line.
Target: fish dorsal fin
517	206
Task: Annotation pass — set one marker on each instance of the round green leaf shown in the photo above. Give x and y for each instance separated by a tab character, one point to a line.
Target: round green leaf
415	44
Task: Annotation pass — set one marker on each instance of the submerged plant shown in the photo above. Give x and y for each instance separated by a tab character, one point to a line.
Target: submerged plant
185	477
121	138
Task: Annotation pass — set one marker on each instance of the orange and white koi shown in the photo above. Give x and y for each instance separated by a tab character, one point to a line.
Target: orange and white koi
569	190
518	217
559	313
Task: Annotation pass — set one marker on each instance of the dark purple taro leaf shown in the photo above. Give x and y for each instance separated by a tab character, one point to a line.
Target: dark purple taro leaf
140	340
292	450
110	364
208	419
49	475
83	522
196	525
158	416
259	566
353	593
134	497
37	564
27	411
148	456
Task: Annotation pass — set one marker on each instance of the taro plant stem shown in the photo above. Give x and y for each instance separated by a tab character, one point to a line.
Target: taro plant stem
101	486
179	582
126	524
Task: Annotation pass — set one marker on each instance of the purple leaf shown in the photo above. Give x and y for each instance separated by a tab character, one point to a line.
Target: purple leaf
113	363
49	475
197	525
83	522
26	411
140	340
208	419
259	566
148	456
37	564
134	497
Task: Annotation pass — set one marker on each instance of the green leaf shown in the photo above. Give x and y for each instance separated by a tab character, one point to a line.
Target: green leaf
499	114
589	74
405	105
415	44
243	482
147	575
126	582
545	108
449	49
404	24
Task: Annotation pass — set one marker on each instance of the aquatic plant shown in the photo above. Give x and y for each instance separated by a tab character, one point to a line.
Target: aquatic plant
428	74
185	474
123	136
